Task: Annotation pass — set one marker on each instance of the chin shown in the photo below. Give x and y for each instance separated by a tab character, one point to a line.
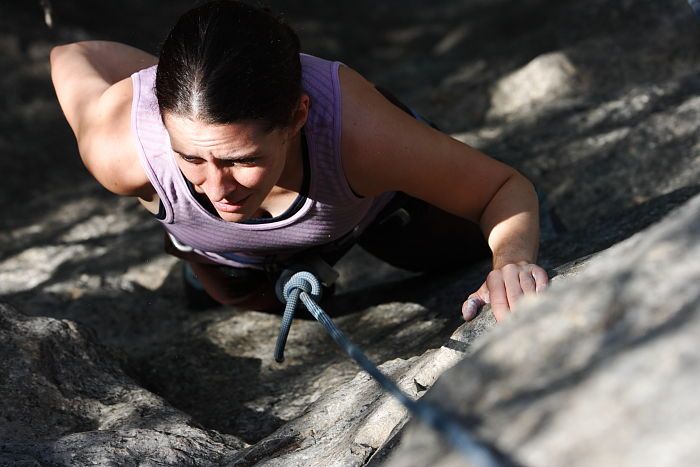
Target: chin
233	216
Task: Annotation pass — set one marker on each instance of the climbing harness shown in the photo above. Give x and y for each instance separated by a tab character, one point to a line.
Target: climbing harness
303	285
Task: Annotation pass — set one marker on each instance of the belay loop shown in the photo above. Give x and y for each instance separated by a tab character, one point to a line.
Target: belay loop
292	287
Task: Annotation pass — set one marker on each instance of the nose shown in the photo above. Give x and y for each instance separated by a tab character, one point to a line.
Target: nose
220	183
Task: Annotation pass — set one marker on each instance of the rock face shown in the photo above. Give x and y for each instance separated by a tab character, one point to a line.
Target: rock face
66	401
595	101
599	371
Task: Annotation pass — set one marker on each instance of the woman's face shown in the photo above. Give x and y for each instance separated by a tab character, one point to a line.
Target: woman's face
235	165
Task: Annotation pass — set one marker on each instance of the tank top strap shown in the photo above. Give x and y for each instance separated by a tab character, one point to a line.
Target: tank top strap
152	141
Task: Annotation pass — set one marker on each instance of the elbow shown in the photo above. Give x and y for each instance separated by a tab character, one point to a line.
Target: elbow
59	51
525	188
515	194
517	179
526	183
59	54
55	55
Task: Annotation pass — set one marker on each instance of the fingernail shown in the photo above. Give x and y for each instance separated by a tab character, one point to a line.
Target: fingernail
470	309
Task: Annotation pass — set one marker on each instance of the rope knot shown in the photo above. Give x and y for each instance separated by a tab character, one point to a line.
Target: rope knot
303	281
289	287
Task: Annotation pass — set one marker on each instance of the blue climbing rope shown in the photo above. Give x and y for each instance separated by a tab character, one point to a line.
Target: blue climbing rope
305	286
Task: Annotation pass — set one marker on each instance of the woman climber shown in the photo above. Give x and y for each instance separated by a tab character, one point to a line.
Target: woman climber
254	157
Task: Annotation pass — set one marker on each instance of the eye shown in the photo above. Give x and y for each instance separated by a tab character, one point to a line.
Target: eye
190	159
248	161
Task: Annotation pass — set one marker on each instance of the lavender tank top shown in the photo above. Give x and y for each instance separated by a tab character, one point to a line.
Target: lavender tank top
330	211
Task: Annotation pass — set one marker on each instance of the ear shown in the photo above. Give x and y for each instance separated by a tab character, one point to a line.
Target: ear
301	113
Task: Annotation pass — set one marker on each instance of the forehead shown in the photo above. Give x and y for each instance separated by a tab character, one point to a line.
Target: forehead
190	134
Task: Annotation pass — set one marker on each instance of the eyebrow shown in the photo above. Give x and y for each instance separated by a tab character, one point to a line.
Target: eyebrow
225	158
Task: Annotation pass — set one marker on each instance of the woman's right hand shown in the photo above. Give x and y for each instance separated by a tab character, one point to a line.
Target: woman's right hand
504	287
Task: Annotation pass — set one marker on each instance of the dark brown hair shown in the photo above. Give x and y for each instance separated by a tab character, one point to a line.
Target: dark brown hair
226	61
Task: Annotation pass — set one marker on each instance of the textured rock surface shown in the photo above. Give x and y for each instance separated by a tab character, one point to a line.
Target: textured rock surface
66	401
595	101
600	371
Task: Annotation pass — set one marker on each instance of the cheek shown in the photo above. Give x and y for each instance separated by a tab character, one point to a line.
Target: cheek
194	173
254	177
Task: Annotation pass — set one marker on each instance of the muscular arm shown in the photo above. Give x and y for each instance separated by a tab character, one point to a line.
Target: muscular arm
385	149
93	85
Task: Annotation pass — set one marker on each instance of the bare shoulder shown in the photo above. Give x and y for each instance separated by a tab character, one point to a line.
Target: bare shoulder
108	145
376	135
383	148
93	86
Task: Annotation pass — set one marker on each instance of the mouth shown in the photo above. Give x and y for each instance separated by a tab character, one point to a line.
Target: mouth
228	206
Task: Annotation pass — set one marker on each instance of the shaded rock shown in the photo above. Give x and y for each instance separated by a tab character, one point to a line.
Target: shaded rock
599	371
64	400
